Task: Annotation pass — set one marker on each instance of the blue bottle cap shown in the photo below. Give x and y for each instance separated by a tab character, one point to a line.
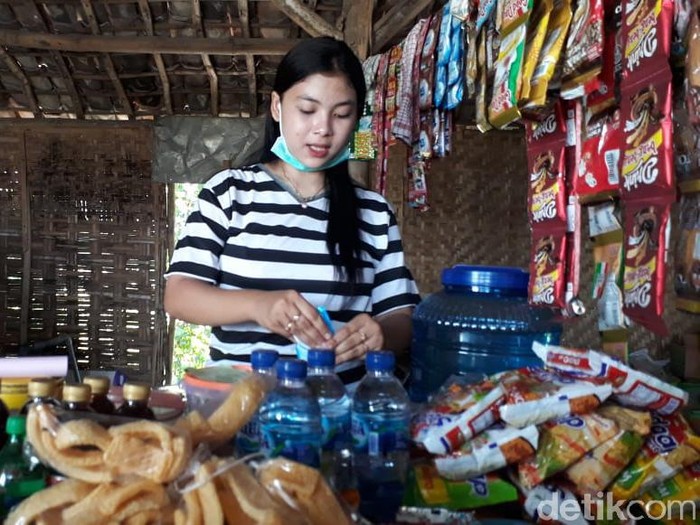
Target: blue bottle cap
263	358
324	357
380	361
288	368
502	277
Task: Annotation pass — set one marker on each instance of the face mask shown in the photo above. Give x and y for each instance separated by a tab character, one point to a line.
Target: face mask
280	149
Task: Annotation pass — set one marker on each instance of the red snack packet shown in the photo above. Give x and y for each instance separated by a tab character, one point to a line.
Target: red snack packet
647	229
548	267
552	126
547	189
647	161
598	171
584	45
646	37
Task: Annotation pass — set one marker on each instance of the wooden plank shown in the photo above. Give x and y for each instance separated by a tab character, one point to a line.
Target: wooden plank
26	85
307	19
396	20
244	18
146	44
26	245
157	57
358	26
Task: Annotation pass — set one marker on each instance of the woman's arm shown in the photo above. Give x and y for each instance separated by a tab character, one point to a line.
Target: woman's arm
397	327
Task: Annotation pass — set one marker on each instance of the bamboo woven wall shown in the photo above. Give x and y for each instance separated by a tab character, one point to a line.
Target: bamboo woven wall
95	233
478	215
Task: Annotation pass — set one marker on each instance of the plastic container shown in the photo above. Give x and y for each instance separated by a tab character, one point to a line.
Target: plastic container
206	388
380	434
290	417
479	324
263	363
335	409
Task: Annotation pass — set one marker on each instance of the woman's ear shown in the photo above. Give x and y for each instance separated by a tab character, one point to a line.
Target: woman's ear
275	106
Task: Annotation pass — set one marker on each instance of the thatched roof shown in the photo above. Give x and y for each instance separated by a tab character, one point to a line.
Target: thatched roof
127	59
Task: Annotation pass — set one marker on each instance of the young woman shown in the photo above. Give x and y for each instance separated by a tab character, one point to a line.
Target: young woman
270	243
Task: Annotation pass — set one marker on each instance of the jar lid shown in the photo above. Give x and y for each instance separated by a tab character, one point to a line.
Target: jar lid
136	391
41	387
503	277
76	393
98	384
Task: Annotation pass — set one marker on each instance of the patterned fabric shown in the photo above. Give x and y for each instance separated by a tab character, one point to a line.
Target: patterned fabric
403	123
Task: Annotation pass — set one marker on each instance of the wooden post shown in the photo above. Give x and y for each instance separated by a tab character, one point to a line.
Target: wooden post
26	202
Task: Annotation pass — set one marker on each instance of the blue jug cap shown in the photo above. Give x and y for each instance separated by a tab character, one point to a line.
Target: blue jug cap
501	277
380	361
288	368
321	357
263	358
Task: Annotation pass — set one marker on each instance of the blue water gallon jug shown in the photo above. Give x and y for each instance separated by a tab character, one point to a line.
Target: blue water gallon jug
479	324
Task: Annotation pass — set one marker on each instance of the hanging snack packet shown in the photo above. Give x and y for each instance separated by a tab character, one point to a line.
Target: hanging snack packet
482	121
547	286
547	188
536	33
534	395
686	148
671	446
427	63
605	96
492	449
455	66
503	108
562	442
647	232
559	21
630	387
646	37
512	14
584	46
457	413
687	267
442	58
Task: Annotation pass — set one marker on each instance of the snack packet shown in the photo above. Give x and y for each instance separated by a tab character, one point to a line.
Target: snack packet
534	396
671	446
553	504
489	451
512	14
584	45
682	491
630	387
536	32
687	267
598	171
547	285
562	442
503	108
637	421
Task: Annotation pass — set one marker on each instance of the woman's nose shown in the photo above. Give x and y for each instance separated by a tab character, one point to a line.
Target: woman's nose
323	126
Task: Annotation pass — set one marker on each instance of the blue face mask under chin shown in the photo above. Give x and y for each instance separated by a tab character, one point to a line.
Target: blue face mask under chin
280	149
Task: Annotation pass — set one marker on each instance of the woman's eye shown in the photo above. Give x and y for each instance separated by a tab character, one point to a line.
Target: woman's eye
343	115
306	111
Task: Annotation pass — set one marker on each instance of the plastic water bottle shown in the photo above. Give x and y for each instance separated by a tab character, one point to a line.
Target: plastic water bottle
17	479
380	434
290	416
263	364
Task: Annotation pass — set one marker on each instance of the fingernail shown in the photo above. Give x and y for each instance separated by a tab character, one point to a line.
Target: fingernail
327	336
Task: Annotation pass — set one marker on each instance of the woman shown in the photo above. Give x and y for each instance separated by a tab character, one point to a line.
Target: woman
270	243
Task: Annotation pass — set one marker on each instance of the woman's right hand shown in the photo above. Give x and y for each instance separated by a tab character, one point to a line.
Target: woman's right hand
287	313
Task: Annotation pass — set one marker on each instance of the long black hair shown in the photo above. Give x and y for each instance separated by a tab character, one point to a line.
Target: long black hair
326	55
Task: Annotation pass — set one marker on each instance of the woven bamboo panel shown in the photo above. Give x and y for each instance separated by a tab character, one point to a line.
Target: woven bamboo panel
98	246
478	215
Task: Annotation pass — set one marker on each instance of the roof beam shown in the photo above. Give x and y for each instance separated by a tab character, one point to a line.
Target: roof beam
307	19
396	20
358	25
26	85
160	65
206	60
146	44
244	17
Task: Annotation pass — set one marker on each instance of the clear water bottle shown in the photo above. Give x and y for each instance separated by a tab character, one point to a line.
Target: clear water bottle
380	433
290	416
263	364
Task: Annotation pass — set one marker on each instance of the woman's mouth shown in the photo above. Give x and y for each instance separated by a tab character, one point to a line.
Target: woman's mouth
318	151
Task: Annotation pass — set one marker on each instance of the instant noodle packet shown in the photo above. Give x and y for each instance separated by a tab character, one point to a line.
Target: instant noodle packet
671	446
562	442
492	449
630	387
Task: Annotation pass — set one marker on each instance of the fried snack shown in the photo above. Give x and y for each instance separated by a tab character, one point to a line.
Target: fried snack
49	502
124	501
212	514
306	487
196	426
192	512
240	405
82	432
147	516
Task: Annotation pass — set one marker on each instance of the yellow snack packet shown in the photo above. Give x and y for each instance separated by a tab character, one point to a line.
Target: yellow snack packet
536	33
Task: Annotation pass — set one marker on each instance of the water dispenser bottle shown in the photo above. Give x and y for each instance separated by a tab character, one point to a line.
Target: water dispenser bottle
479	324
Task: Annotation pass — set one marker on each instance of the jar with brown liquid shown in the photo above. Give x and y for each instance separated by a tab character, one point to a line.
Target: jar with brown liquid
76	396
41	390
136	401
100	403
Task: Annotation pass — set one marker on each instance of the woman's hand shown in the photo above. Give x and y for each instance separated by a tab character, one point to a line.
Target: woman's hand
287	313
356	338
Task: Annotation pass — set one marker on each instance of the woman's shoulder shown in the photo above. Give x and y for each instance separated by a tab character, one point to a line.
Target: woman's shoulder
227	179
372	200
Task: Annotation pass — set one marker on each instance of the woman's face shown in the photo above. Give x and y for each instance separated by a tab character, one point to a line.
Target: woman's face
319	114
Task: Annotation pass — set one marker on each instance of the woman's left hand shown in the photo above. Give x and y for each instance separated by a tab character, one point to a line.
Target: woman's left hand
356	338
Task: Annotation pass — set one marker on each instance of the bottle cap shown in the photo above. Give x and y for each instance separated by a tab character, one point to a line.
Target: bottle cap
291	369
134	391
98	384
16	425
480	278
41	387
263	358
76	393
380	361
322	357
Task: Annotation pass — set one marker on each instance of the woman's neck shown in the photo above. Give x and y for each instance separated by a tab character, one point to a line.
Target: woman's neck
305	184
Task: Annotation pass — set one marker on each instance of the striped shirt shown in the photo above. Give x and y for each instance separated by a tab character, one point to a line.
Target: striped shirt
250	232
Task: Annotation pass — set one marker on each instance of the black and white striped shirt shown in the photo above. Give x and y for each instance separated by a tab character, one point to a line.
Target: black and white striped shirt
250	232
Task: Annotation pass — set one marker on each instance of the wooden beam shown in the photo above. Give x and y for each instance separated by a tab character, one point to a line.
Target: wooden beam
26	85
358	26
396	20
146	44
307	19
157	57
244	18
26	210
